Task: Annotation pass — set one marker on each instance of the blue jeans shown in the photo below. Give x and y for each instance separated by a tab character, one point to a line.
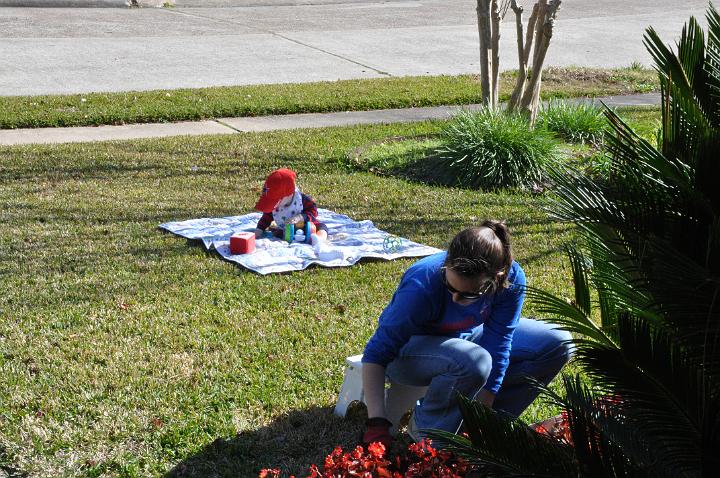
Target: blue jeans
451	365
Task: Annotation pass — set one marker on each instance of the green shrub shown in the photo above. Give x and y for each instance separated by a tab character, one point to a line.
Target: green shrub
597	166
575	122
489	149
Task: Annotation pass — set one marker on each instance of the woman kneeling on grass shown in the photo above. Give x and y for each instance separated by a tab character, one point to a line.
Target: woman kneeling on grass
454	325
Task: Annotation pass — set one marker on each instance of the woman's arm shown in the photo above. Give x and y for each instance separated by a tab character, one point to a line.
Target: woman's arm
373	376
377	427
499	328
415	303
407	314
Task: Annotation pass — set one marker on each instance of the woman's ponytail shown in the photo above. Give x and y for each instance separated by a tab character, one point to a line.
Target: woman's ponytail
503	233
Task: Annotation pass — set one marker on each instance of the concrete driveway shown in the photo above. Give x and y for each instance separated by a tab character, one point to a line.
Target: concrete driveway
235	42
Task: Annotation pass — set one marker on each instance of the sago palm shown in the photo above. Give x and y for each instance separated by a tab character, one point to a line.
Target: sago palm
649	335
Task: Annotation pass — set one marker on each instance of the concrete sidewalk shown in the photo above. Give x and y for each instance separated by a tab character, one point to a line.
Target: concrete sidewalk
262	123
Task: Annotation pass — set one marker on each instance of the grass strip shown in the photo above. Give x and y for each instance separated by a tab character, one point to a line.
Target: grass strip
260	100
129	352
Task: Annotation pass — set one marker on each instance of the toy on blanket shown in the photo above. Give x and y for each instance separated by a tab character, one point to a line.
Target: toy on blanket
242	243
300	232
283	203
392	243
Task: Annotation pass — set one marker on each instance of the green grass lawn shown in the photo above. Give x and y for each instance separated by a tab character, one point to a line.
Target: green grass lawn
202	103
126	351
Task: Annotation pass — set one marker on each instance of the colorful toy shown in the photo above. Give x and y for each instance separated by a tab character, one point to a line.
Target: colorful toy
289	232
242	243
299	232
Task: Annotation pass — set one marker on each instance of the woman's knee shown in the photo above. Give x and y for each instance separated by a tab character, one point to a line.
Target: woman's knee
563	345
476	363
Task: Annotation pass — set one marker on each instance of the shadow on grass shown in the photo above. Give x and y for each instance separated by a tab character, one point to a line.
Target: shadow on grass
292	442
443	226
88	172
539	257
6	469
412	158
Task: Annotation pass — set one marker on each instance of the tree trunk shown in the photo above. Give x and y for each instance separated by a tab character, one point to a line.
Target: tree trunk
484	31
535	40
546	21
496	17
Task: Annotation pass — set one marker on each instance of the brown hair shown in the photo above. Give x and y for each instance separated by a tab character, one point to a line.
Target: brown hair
483	250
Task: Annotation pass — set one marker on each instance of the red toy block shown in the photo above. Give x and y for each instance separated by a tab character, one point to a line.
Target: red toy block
242	243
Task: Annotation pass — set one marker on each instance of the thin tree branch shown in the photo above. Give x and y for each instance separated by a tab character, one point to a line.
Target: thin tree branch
531	97
522	66
530	33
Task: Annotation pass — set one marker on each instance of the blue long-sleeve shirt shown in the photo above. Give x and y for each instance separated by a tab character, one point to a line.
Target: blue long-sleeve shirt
422	305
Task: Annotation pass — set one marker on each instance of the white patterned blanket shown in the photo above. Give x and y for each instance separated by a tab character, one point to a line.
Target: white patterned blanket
348	242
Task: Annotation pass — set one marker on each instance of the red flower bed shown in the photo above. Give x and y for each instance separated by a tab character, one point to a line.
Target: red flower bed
422	460
556	427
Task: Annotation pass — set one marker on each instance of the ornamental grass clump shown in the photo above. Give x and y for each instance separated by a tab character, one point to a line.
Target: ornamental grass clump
575	122
489	149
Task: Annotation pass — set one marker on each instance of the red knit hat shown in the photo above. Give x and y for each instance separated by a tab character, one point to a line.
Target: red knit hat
279	184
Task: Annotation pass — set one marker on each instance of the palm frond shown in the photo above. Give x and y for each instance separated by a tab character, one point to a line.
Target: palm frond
580	199
691	53
500	446
579	266
567	315
660	398
712	63
684	117
590	418
630	151
659	196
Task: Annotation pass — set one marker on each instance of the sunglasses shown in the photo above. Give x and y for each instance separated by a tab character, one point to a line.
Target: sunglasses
487	287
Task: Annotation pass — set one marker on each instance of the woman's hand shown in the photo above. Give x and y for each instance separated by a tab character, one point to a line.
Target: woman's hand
486	398
377	429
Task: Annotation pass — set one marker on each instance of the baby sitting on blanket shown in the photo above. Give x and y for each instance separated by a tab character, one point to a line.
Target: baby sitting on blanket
282	202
